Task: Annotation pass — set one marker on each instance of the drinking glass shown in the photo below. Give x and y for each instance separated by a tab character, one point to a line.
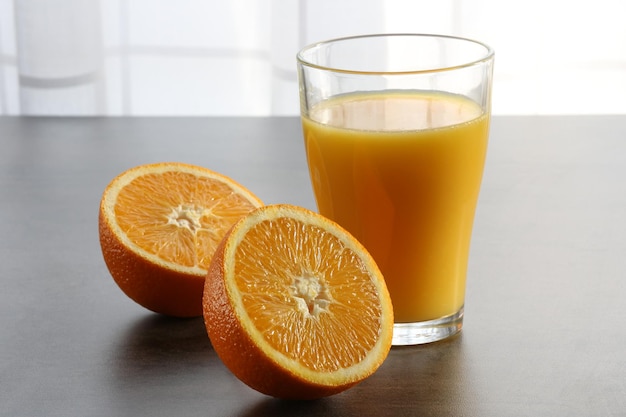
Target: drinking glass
396	129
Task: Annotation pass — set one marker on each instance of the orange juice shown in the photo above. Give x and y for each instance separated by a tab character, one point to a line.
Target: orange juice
401	171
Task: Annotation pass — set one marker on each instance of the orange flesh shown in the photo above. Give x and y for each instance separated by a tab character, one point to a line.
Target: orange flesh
175	215
306	307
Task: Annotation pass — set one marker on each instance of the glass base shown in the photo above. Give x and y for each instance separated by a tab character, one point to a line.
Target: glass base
418	333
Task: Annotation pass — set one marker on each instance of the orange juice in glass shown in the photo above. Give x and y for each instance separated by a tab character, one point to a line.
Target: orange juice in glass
395	129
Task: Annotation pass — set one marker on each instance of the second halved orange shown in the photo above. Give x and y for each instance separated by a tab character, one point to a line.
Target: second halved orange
295	306
159	226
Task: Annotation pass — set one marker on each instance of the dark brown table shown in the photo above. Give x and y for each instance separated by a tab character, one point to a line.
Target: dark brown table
545	326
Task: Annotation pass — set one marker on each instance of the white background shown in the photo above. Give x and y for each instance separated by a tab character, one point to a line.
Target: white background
237	57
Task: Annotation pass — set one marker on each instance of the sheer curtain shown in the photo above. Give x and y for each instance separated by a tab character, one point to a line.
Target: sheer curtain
237	57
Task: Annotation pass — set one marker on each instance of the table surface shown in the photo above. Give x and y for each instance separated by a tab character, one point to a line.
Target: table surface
545	329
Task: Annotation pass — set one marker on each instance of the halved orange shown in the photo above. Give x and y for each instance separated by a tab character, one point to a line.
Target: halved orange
159	225
295	306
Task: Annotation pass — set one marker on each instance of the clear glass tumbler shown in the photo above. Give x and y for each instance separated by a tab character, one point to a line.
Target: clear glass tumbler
396	129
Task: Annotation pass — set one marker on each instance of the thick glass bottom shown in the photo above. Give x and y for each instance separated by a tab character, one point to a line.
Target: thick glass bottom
418	333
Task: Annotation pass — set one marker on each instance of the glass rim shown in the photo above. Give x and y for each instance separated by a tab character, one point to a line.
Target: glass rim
487	56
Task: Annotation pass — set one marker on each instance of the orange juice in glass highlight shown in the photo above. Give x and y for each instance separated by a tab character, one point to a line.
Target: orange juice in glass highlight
401	171
396	128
